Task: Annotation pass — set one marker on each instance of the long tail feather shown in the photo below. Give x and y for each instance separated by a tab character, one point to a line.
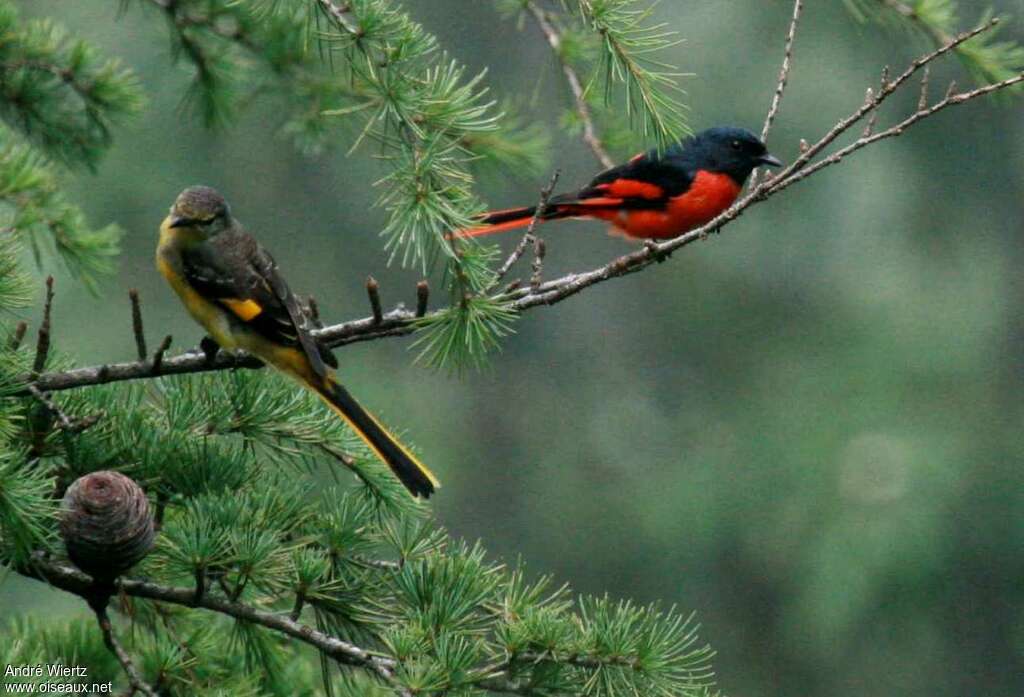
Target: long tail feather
508	215
494	229
416	477
511	219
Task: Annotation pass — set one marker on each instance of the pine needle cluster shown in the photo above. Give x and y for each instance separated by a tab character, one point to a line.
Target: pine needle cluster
60	101
223	458
987	60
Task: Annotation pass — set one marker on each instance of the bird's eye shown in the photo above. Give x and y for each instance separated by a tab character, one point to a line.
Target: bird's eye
735	145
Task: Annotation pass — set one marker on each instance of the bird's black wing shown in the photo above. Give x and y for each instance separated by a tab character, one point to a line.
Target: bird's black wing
233	270
646	182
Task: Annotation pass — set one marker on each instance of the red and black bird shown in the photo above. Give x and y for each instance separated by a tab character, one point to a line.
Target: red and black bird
655	195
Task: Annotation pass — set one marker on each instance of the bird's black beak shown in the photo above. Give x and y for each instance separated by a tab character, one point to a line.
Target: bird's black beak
179	221
770	160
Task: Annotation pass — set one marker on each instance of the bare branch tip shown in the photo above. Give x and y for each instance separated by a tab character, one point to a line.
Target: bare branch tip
922	100
158	357
373	292
539	251
422	297
787	59
43	339
18	335
137	328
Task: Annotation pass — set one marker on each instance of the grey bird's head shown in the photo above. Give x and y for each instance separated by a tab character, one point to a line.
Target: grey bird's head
200	210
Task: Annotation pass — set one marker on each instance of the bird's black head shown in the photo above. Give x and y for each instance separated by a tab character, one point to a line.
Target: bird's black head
202	209
724	149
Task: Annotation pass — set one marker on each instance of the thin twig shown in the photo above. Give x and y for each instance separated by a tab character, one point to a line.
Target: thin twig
158	356
898	129
300	601
539	250
922	100
140	336
43	342
18	335
382	564
887	88
787	61
165	620
134	678
422	297
373	292
340	15
873	118
590	136
65	421
527	239
780	86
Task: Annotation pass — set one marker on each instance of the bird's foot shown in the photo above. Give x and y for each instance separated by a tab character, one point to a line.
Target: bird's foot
209	348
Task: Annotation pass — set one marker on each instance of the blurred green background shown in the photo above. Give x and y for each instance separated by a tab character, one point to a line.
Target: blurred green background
808	429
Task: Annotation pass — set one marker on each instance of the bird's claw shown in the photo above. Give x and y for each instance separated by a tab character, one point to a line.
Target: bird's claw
209	348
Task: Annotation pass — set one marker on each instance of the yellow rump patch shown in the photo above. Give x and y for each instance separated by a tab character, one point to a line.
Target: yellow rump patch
244	309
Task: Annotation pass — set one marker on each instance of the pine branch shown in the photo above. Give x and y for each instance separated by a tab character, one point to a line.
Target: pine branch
69	579
136	681
554	39
650	86
58	93
37	215
397	322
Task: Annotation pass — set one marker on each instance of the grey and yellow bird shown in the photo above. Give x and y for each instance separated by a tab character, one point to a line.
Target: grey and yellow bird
231	285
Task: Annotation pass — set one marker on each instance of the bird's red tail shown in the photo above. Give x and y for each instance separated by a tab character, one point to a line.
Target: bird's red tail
511	219
500	221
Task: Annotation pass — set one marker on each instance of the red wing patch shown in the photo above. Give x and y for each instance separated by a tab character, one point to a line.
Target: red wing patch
634	188
597	201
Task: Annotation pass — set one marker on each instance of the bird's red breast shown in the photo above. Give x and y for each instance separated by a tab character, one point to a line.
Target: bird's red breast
708	195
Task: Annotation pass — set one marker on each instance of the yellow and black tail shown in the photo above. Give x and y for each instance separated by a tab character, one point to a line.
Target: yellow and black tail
419	480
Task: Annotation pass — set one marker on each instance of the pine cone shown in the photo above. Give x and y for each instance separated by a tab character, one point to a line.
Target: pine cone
106	524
